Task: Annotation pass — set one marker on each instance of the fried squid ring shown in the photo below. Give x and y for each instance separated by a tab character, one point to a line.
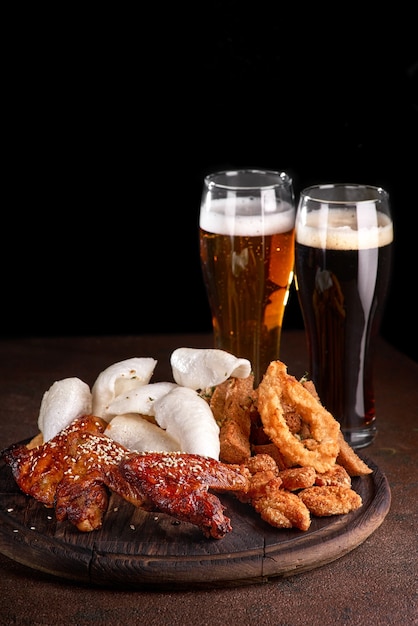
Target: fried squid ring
279	389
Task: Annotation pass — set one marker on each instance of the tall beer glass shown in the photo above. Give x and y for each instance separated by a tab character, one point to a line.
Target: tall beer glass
343	252
247	220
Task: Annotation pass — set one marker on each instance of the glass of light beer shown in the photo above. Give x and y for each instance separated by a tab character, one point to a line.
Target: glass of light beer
247	220
343	259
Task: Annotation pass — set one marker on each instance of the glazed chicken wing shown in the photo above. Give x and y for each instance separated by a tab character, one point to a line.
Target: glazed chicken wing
73	472
76	470
178	484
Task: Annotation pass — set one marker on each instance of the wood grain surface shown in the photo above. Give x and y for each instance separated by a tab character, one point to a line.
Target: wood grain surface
138	549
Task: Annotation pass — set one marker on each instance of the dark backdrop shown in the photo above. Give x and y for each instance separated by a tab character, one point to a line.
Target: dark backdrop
113	120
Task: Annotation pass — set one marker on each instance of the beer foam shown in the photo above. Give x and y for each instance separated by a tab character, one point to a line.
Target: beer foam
237	216
328	229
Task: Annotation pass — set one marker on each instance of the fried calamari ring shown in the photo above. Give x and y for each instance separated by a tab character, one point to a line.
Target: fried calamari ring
320	450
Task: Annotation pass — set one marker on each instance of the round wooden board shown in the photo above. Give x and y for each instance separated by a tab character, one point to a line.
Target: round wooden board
138	549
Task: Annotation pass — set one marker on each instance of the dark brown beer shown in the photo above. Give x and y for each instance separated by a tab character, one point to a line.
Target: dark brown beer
342	279
247	276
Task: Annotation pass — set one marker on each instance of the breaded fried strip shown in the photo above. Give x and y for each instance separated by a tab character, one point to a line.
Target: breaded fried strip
261	463
337	475
272	450
234	443
346	457
330	500
258	484
217	402
262	469
231	404
283	509
297	478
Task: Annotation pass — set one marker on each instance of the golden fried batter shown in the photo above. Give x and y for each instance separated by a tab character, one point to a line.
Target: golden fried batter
310	386
261	463
296	478
231	404
330	500
337	475
262	470
277	388
292	418
354	465
281	508
257	486
217	400
234	443
272	450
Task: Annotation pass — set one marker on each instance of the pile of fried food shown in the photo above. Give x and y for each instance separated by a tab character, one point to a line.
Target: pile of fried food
176	447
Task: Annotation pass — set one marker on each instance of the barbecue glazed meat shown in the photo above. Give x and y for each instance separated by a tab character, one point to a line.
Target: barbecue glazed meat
177	484
73	472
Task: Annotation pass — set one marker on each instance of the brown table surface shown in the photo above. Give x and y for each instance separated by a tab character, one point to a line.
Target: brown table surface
377	582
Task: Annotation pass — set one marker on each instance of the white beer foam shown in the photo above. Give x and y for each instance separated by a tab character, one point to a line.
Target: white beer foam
237	216
328	228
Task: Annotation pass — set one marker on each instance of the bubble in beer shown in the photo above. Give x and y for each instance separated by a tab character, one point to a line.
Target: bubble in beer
247	253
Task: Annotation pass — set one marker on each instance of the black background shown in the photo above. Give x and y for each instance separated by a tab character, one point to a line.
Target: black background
113	119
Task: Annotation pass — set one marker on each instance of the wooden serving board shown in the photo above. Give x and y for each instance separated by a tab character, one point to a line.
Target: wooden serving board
138	549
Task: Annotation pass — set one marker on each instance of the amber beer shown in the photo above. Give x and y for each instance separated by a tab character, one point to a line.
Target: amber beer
342	276
247	262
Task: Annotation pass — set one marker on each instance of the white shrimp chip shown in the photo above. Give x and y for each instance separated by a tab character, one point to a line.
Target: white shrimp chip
64	401
138	400
120	378
187	417
136	433
199	368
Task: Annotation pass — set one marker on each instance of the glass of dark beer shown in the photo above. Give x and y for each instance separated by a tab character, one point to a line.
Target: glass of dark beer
343	259
247	220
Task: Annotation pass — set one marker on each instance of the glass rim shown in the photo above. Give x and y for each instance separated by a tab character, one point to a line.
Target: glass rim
314	193
282	178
